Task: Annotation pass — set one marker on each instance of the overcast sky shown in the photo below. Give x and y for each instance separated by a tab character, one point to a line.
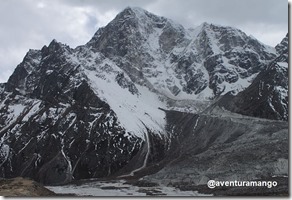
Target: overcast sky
31	24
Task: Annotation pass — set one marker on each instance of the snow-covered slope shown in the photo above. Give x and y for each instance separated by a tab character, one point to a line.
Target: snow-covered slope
136	106
89	111
200	63
55	125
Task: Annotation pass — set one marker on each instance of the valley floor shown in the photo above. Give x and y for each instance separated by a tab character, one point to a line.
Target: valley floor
124	188
121	188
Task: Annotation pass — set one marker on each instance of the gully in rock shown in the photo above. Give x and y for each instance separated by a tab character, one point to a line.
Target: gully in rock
149	101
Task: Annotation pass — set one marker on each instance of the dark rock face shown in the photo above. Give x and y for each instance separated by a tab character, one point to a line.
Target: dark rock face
223	146
64	130
236	56
124	83
267	96
101	109
283	46
209	57
171	37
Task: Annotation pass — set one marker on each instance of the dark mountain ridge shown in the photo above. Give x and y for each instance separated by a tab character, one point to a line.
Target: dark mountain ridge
106	108
267	96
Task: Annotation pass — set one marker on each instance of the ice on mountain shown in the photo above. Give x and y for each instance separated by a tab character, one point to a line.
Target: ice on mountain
283	64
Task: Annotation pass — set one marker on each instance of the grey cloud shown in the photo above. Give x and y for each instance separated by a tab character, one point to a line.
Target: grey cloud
29	24
243	14
190	11
103	5
226	11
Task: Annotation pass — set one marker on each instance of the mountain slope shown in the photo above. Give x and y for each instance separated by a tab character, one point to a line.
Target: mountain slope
100	109
181	64
267	96
54	127
223	146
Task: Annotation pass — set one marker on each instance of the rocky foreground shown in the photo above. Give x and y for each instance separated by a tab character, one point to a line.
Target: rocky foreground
147	99
21	187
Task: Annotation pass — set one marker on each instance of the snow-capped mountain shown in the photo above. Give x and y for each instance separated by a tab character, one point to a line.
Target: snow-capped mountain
200	63
267	96
99	109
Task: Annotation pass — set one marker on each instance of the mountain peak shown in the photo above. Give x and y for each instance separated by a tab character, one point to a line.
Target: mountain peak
133	13
132	25
134	9
137	12
129	11
283	45
110	107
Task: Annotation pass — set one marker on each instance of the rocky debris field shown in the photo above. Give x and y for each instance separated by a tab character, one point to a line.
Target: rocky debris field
21	187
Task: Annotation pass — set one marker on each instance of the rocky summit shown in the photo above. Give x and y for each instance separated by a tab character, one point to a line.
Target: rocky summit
146	96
